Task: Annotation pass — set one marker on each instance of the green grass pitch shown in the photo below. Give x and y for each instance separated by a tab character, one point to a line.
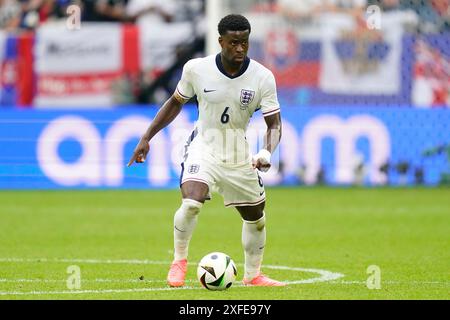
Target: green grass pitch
320	240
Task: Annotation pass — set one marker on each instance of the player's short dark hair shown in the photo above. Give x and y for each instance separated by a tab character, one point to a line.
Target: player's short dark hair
233	22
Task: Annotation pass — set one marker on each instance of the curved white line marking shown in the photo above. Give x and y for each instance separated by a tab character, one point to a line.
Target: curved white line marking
324	275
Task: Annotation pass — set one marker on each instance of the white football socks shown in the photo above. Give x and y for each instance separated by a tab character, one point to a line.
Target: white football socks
253	241
185	221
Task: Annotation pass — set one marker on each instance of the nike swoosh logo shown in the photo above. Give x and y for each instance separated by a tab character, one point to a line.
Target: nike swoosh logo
206	91
178	229
261	193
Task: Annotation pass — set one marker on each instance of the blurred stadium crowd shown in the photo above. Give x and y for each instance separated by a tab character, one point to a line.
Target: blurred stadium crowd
431	15
427	15
30	14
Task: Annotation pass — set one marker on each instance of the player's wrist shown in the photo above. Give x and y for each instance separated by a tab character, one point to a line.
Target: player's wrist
264	154
146	137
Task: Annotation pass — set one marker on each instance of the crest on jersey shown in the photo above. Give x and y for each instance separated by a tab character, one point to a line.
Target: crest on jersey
193	168
247	97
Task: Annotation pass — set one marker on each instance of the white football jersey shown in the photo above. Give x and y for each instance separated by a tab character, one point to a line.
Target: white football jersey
226	103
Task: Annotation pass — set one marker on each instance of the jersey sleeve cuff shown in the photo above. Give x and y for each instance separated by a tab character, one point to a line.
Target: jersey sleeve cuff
271	112
181	96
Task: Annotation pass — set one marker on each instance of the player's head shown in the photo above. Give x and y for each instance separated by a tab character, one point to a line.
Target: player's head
234	30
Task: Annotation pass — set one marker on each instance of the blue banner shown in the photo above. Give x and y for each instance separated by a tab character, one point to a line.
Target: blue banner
43	149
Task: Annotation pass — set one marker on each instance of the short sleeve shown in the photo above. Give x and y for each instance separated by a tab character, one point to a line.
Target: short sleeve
269	99
185	89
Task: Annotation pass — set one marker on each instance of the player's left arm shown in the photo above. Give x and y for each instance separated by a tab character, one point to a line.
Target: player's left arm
270	108
261	160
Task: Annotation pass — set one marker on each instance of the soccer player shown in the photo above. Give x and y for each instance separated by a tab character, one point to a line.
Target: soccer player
230	87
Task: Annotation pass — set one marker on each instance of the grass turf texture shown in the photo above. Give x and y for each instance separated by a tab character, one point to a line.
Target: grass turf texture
403	231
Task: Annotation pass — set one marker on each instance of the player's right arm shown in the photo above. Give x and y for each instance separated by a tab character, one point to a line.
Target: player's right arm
169	111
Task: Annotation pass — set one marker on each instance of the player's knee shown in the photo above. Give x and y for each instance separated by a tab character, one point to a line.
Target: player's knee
259	224
191	207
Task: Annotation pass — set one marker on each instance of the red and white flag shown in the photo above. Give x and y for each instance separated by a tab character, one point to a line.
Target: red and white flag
431	83
80	67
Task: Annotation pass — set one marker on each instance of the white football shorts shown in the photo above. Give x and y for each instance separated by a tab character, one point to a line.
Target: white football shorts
238	184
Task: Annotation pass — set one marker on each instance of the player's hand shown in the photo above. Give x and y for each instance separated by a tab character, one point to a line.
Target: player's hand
261	160
140	152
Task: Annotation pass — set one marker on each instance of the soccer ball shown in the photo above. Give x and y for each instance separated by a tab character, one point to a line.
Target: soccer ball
216	271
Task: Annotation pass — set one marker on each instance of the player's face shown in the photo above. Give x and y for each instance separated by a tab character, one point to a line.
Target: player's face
234	46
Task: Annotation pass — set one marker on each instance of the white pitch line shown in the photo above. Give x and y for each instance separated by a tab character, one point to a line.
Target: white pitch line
237	283
393	282
96	291
324	275
89	261
86	280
